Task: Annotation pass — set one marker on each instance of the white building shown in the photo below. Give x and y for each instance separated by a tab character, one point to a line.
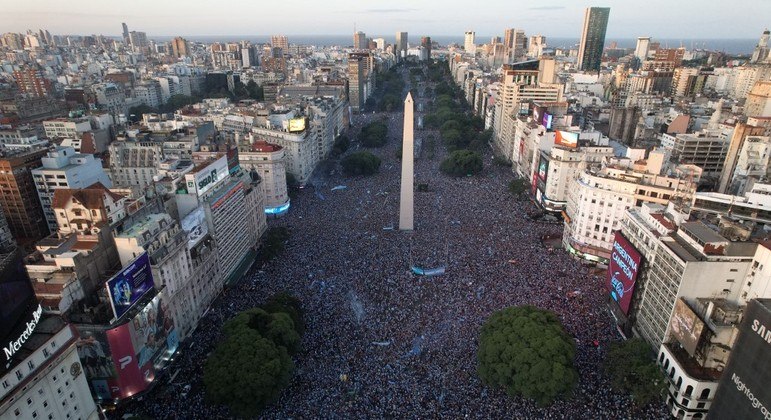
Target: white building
268	160
469	43
66	128
47	380
64	168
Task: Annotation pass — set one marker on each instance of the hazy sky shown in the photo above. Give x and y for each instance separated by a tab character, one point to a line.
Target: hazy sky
680	19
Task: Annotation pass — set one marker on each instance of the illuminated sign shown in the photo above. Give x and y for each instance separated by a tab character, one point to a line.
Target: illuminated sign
564	138
15	345
277	210
296	125
622	271
207	177
130	285
543	169
547	120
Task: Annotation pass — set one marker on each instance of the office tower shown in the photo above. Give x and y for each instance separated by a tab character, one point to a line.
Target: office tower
593	38
19	200
643	45
180	47
406	203
359	40
280	41
138	40
425	42
508	39
536	45
400	49
32	83
381	44
469	45
357	80
761	50
125	33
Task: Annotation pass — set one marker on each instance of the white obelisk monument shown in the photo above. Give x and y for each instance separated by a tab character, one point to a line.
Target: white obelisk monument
406	205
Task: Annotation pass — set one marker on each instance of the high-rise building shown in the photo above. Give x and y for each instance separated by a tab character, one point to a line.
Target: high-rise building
280	41
31	82
508	39
469	42
593	38
380	43
179	47
357	74
138	41
18	198
536	46
643	45
425	42
125	33
359	40
761	50
268	160
400	48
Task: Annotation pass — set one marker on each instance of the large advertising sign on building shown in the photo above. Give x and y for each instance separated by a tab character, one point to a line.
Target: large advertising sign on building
543	168
744	391
685	326
201	181
120	362
622	271
567	139
130	284
296	125
17	298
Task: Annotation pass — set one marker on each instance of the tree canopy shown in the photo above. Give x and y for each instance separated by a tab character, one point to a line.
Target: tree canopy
374	134
632	368
462	163
526	351
360	163
252	366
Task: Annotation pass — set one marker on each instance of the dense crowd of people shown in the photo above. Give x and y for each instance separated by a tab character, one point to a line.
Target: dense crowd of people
381	341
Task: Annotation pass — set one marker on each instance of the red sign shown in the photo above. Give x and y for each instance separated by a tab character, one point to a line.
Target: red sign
622	271
131	379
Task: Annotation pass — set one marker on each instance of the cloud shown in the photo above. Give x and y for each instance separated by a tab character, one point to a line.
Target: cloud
389	10
546	8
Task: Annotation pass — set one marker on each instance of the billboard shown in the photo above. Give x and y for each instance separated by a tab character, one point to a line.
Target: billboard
152	330
296	125
130	284
567	139
538	112
685	326
543	168
130	379
233	163
622	271
547	120
94	352
17	298
202	180
743	392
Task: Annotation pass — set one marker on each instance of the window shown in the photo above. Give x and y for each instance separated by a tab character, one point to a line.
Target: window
19	375
6	385
704	394
45	403
29	401
30	364
46	353
16	412
34	414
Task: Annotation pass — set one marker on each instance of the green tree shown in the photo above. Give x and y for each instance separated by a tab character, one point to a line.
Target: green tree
462	163
374	134
247	372
341	145
518	186
276	326
288	304
632	368
360	163
526	351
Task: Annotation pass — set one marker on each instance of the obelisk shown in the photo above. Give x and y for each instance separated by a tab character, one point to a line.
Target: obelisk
406	205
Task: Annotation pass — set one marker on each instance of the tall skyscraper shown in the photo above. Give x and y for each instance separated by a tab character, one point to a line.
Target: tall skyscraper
359	40
761	50
125	33
536	45
508	39
514	44
425	42
179	47
280	41
643	45
400	49
469	43
593	38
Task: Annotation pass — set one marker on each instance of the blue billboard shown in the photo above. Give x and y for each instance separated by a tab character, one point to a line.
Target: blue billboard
130	285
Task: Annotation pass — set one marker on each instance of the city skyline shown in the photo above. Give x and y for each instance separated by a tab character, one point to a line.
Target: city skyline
432	17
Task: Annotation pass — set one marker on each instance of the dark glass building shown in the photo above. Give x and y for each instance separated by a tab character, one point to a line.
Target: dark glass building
593	38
